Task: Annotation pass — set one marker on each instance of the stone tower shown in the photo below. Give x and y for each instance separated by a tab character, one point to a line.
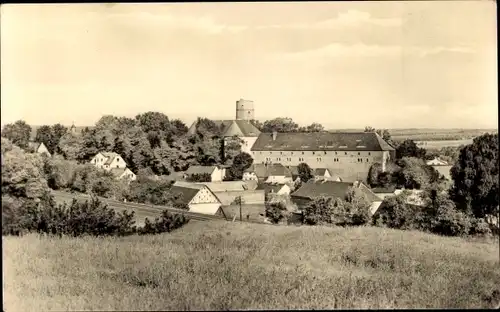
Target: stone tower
244	110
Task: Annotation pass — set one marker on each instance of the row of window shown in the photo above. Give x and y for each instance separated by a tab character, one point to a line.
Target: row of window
318	159
314	153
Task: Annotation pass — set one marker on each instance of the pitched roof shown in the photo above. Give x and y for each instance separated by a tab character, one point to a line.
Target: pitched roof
200	170
322	141
320	171
109	157
232	127
378	190
187	190
263	171
225	186
334	189
270	188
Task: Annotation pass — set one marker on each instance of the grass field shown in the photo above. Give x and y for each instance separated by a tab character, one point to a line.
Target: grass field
222	265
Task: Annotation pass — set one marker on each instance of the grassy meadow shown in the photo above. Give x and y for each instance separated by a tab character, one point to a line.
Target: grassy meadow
224	265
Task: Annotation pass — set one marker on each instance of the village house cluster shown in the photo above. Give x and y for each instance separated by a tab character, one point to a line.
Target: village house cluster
339	162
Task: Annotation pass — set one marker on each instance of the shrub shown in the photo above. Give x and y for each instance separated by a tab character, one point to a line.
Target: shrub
275	211
166	223
200	177
480	227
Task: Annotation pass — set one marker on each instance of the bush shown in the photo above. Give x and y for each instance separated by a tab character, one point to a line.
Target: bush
276	211
480	227
166	223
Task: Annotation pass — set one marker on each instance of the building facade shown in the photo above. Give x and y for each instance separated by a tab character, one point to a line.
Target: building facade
348	155
108	161
240	127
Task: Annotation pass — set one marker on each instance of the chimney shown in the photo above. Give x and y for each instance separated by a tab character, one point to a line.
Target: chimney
275	134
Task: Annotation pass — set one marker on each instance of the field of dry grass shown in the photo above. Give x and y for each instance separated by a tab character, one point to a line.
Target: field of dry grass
223	265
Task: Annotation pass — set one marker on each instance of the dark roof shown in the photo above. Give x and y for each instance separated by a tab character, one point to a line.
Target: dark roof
200	170
378	190
232	127
187	191
320	171
321	141
267	170
334	189
313	189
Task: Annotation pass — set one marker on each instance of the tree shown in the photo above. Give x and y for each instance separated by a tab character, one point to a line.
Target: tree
200	177
414	173
408	148
58	131
280	124
19	133
305	172
475	176
373	174
44	135
241	162
70	146
369	129
319	211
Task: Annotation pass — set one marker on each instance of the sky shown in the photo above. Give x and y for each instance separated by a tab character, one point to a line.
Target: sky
408	64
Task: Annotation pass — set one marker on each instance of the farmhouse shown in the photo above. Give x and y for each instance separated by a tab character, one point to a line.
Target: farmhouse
216	173
310	190
108	160
197	197
349	155
123	173
269	173
242	126
39	148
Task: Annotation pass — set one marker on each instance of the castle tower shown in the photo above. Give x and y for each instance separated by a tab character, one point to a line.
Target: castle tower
244	110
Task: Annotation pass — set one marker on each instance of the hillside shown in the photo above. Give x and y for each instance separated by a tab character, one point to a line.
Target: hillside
223	265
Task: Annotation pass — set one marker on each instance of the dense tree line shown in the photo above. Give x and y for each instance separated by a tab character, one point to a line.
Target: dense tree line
28	206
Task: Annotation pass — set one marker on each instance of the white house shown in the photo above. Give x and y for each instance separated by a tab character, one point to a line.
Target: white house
216	173
437	162
197	197
108	160
268	173
123	173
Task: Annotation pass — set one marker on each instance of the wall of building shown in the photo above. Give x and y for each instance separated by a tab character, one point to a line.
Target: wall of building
245	110
204	196
247	144
254	211
249	197
349	163
218	175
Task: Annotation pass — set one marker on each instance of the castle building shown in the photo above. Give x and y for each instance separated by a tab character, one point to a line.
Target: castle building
241	126
348	155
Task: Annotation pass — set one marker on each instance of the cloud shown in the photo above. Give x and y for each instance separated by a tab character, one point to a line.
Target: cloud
362	50
205	24
351	18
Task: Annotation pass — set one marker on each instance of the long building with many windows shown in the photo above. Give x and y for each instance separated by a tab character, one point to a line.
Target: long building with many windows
349	155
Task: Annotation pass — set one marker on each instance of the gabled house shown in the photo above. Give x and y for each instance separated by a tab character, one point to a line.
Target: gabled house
216	173
108	160
310	190
197	197
437	162
268	173
278	189
39	148
123	173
